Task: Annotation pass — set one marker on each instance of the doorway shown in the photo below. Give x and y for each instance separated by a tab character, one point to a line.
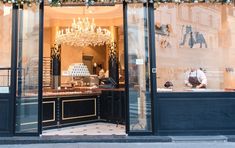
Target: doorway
81	99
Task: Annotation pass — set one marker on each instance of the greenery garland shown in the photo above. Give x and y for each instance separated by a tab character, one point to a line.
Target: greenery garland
195	1
20	2
92	2
85	2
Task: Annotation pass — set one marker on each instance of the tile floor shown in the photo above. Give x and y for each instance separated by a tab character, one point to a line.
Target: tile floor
89	129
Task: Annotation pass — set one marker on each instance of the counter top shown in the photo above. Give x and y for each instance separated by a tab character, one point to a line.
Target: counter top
111	89
69	94
78	92
204	90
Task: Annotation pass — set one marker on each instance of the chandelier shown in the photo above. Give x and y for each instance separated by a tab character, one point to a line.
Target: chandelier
82	33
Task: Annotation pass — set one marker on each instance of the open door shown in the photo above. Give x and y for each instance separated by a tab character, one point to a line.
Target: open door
140	77
29	69
6	79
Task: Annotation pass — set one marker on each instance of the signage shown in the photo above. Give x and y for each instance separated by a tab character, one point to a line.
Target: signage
4	89
139	61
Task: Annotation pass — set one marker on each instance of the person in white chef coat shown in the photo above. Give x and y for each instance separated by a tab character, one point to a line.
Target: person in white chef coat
195	78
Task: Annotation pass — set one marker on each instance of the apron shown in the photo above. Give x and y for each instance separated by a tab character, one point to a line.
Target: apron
194	81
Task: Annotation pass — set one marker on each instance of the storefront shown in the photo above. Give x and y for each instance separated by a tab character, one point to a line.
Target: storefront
157	68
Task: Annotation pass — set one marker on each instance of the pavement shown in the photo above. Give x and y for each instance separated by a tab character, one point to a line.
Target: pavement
128	145
219	141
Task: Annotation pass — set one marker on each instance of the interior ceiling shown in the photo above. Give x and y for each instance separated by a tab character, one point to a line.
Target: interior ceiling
63	16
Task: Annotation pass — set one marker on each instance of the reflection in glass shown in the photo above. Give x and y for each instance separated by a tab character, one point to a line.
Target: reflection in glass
27	71
138	69
5	47
195	36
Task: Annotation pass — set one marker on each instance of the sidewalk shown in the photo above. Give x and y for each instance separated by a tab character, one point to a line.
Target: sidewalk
83	139
128	145
220	141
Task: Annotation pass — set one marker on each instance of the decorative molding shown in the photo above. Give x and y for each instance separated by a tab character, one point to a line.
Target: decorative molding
56	52
53	119
113	63
56	61
78	100
113	52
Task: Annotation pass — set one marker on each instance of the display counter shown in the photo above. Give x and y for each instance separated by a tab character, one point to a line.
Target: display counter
113	105
76	106
160	90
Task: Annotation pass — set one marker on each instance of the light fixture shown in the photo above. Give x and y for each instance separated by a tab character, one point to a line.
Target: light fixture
82	33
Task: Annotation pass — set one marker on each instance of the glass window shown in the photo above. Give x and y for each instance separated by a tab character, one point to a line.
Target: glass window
138	69
5	47
195	47
27	70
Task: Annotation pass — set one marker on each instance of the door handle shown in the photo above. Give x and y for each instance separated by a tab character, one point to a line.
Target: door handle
154	70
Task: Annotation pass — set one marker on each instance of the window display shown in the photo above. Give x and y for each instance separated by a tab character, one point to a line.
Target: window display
194	47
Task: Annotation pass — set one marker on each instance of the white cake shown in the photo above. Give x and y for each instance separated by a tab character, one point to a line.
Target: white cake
78	69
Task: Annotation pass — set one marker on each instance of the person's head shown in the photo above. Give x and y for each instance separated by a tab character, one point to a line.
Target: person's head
168	84
193	69
100	66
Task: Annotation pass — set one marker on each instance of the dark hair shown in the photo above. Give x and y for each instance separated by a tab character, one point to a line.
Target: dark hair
168	84
100	66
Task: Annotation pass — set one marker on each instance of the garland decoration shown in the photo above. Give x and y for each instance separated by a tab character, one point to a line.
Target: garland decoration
195	1
20	2
183	1
81	2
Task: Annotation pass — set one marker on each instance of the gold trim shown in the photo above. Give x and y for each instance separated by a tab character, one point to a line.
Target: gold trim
76	117
53	119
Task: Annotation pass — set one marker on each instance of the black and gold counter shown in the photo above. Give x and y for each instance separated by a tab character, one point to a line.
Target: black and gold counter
61	110
106	105
113	105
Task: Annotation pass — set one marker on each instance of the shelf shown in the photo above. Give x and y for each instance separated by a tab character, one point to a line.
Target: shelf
47	72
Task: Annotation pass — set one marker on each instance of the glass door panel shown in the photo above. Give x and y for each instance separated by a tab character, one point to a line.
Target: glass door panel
138	69
27	70
5	68
5	48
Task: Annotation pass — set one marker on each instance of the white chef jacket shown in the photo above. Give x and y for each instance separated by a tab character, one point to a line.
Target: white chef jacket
200	76
101	74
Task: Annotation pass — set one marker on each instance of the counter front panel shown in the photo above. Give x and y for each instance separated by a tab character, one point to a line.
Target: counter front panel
61	109
76	109
49	111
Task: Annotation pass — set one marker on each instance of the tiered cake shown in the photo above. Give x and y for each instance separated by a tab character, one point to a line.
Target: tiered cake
77	69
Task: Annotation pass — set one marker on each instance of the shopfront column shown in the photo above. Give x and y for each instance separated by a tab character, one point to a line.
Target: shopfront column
113	56
56	60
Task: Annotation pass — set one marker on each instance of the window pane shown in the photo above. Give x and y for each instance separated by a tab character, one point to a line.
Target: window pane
138	69
195	47
5	47
27	71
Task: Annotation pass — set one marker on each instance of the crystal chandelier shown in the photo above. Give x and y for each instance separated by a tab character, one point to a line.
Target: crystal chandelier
82	33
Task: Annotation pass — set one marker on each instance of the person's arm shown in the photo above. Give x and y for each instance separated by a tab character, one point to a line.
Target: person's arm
186	82
202	78
201	85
